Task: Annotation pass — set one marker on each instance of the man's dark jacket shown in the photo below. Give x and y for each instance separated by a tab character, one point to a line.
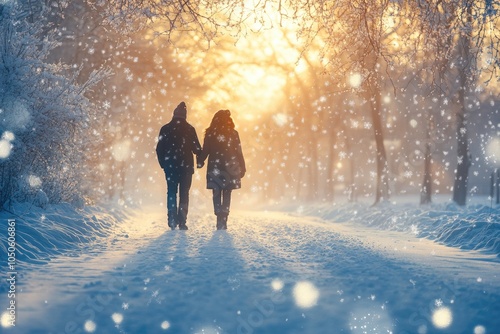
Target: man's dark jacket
177	142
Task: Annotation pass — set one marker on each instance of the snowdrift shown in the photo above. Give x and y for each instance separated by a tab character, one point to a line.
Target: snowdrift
475	227
59	229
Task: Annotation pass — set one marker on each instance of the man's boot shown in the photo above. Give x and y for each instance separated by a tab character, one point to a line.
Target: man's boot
182	217
172	218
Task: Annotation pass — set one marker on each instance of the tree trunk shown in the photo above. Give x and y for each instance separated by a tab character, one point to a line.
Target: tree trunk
330	189
426	191
498	186
463	156
351	195
313	167
463	159
382	187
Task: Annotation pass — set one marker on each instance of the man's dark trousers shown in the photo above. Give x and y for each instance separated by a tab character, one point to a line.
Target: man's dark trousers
178	182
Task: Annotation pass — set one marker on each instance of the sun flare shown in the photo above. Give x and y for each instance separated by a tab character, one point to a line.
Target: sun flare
253	73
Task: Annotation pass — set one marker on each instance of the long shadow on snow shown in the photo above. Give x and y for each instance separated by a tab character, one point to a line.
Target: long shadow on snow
183	281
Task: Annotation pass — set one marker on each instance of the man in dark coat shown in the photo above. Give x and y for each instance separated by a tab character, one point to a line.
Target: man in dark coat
177	142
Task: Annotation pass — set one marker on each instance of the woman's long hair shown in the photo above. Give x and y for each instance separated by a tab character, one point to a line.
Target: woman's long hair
221	123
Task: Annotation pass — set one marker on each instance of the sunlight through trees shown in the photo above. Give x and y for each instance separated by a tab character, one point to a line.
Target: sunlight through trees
354	98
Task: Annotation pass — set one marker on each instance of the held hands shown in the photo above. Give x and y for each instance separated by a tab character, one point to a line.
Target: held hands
199	162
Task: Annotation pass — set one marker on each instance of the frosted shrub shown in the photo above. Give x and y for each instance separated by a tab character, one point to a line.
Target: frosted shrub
44	115
40	199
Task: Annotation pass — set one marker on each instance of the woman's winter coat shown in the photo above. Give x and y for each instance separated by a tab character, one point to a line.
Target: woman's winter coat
226	165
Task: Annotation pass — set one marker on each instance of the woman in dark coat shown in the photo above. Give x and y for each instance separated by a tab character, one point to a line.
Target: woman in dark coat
226	165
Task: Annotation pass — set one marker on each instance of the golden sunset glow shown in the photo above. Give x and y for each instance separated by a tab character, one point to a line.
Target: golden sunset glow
250	166
252	84
248	74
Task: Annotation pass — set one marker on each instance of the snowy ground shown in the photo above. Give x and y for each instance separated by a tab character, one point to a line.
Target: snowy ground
271	272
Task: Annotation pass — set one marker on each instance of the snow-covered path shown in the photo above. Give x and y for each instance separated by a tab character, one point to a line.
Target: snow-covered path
269	273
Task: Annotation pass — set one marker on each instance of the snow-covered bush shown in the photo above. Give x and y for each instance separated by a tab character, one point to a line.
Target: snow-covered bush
44	114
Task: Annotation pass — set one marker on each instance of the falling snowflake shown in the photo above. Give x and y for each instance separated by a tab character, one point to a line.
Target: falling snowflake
5	149
125	306
117	318
233	282
438	302
355	80
408	174
157	59
280	119
165	325
221	138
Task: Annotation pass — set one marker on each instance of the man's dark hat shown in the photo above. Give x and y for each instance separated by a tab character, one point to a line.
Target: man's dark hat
180	111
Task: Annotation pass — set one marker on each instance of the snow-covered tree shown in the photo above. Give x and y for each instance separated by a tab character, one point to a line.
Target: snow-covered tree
360	45
44	114
463	36
371	48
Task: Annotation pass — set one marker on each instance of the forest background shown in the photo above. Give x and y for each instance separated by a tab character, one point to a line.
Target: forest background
334	101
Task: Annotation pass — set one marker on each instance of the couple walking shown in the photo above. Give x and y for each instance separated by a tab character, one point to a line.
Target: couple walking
177	142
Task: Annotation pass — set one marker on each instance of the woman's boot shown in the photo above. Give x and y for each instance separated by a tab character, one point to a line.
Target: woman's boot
220	222
224	221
